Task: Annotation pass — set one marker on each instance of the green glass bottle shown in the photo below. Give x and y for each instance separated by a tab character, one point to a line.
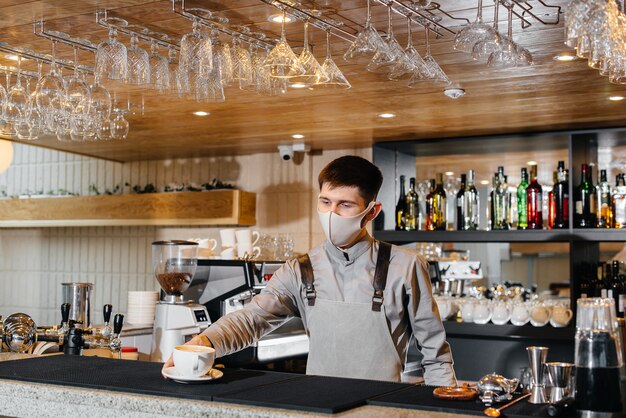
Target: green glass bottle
522	217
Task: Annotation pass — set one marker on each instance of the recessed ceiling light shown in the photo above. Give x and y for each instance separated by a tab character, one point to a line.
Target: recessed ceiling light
278	18
616	98
565	57
449	173
297	136
485	182
201	113
387	115
297	85
531	162
454	92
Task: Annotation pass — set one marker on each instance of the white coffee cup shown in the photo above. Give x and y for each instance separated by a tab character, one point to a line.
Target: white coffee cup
467	310
500	314
520	315
247	251
540	315
561	315
228	254
244	236
228	237
193	360
482	313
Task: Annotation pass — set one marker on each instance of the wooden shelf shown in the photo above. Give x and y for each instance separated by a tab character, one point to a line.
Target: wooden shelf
560	235
215	207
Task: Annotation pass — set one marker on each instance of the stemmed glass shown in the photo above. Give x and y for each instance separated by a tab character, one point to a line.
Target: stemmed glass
367	42
489	44
196	51
159	69
138	63
467	37
336	78
241	64
3	106
78	99
18	100
119	126
510	54
436	74
412	63
112	56
385	58
281	61
313	73
49	95
224	57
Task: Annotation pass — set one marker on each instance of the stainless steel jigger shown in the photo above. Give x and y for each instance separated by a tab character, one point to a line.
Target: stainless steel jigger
559	375
537	357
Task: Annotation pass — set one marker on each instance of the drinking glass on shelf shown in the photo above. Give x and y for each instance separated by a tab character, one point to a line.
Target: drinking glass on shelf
112	56
159	69
281	61
475	32
138	63
336	79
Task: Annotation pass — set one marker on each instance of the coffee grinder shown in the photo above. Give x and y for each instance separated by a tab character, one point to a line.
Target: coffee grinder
176	320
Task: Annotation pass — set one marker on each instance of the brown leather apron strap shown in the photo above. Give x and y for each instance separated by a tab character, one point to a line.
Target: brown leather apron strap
380	274
306	273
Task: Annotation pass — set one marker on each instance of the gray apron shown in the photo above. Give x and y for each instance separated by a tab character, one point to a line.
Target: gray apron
351	339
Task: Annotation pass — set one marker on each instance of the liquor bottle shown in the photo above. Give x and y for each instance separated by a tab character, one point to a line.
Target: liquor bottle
561	198
603	206
472	209
552	202
534	201
508	204
583	201
490	211
618	202
522	217
460	204
499	201
440	220
429	206
593	199
616	290
401	207
412	208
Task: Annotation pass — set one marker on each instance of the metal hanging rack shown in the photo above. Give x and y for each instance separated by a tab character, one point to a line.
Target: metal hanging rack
44	58
422	16
39	29
526	10
121	25
220	24
13	70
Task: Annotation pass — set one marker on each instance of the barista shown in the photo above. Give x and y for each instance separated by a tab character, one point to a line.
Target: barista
362	301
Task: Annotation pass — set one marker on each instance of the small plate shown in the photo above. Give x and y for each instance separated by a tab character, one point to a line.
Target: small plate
172	373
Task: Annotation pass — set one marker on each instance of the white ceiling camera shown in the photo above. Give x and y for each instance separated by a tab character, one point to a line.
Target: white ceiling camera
286	151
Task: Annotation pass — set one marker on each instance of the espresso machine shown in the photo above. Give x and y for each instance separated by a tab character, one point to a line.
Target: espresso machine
176	320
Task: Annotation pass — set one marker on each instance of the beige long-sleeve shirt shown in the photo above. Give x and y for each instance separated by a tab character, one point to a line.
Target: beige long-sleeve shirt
348	276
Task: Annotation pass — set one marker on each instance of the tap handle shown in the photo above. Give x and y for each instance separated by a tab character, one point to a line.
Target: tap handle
65	313
106	313
118	322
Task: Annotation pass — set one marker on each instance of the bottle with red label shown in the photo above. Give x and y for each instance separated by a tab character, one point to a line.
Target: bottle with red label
534	201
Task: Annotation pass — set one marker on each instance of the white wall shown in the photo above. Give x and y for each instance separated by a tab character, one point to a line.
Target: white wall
34	261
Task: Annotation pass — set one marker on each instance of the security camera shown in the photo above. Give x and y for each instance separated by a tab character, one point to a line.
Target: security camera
286	152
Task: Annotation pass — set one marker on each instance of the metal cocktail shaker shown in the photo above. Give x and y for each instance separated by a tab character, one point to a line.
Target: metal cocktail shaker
537	357
79	295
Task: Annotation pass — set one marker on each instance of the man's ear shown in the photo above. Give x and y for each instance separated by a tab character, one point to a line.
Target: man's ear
373	213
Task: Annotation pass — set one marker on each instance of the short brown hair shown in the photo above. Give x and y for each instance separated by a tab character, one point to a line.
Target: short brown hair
351	170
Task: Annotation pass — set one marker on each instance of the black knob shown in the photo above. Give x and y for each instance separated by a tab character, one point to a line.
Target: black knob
73	342
106	313
118	322
65	313
562	408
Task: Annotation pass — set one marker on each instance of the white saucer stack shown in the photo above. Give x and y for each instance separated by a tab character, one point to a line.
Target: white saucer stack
141	307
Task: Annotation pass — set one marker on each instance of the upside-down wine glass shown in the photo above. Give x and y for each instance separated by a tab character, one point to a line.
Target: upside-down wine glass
112	57
510	54
49	95
196	51
467	37
281	61
18	100
159	69
413	63
336	79
138	63
489	44
313	73
385	58
367	42
437	75
242	63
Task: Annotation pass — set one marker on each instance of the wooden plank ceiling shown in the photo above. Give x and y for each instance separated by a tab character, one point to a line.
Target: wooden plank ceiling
550	95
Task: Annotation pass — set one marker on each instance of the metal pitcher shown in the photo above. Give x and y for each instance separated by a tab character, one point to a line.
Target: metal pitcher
79	295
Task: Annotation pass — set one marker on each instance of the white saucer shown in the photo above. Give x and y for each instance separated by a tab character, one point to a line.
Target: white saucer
172	373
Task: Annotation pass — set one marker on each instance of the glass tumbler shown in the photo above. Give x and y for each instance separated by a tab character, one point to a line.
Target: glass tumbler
598	358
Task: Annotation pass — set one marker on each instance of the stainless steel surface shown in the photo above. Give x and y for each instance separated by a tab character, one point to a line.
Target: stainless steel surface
19	332
537	358
496	388
560	378
79	296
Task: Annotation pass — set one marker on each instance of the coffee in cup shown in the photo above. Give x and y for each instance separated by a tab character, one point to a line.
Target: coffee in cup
193	360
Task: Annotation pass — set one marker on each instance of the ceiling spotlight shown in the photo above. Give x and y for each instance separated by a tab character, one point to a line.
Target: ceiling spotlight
616	98
201	113
297	136
278	18
454	92
565	57
387	115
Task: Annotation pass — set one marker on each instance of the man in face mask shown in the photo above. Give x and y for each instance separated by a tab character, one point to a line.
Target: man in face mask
362	301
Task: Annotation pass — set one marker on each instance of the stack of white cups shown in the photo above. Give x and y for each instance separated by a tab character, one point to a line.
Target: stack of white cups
141	307
239	243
